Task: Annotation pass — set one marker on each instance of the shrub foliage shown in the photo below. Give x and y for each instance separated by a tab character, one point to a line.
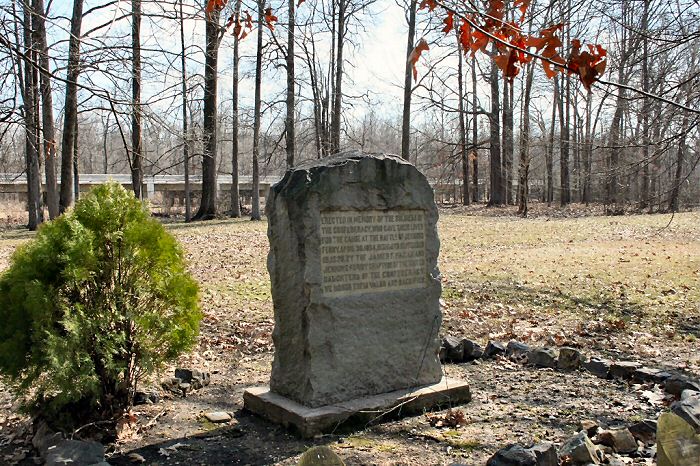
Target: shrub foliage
98	299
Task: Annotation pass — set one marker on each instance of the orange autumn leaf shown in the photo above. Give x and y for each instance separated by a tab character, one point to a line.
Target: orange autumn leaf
215	5
449	22
431	4
507	62
522	5
300	2
415	55
270	19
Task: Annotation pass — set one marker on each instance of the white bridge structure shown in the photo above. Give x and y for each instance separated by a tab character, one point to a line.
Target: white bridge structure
169	190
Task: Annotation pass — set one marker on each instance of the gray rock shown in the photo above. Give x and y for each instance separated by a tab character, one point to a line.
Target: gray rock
493	348
442	354
598	367
580	449
320	456
142	398
647	374
677	443
454	348
688	408
589	426
472	350
513	455
45	437
186	375
543	357
517	350
218	416
546	454
644	431
620	439
75	453
569	358
677	383
623	369
355	284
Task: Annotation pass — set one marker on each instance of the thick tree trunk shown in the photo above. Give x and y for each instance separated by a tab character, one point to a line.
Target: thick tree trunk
255	210
46	109
76	160
235	194
207	207
507	146
408	84
136	155
496	180
185	129
70	118
289	121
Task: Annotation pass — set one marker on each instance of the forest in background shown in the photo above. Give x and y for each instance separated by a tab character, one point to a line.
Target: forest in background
222	89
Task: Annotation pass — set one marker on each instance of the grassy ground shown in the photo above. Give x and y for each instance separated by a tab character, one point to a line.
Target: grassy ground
624	286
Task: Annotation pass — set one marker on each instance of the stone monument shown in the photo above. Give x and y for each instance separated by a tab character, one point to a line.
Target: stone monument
356	289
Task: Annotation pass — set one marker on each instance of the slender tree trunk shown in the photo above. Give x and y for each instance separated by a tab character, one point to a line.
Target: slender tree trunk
549	152
507	142
338	88
255	211
462	127
496	181
523	187
474	153
136	155
289	122
71	107
235	193
46	109
564	192
105	152
588	151
408	85
644	201
207	207
680	159
185	129
76	160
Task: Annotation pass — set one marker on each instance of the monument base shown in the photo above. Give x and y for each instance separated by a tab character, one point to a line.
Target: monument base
308	422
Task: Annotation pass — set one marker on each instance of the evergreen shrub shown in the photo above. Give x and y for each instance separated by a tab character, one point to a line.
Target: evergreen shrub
97	300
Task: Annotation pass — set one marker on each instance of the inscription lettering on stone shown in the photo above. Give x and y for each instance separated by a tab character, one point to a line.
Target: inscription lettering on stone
372	251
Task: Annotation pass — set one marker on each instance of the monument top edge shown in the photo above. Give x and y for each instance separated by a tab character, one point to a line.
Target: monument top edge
345	157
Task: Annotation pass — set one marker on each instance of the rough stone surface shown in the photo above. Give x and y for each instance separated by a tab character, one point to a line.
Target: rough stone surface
621	440
320	456
688	408
598	367
308	422
543	357
677	383
677	442
589	426
569	358
218	416
546	454
493	348
472	350
647	374
517	350
454	348
580	449
75	453
644	431
623	369
355	285
513	455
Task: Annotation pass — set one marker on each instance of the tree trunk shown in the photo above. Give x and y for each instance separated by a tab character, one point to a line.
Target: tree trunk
496	181
338	88
680	159
29	96
76	159
408	85
185	129
564	116
474	153
255	210
588	152
462	127
289	122
136	156
507	142
207	207
523	187
70	118
644	195
549	152
46	109
235	193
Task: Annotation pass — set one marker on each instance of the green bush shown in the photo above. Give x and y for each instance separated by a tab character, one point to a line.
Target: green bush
96	301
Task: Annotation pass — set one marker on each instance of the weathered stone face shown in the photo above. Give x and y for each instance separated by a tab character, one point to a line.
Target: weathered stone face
355	284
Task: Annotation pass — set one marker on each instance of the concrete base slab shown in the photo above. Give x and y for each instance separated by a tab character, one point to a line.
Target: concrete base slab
309	422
